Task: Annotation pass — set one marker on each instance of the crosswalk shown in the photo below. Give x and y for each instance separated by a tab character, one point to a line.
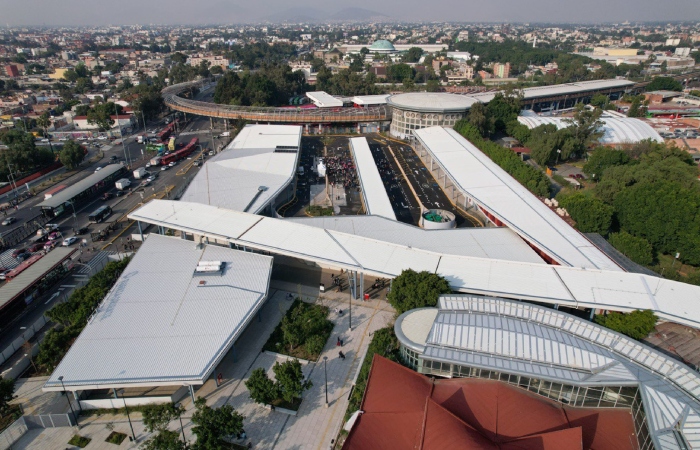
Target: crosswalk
190	133
95	264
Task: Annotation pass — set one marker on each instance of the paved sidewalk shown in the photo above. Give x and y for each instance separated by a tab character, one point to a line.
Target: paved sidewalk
315	425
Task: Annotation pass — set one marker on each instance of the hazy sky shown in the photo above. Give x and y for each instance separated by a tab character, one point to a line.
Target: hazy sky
117	12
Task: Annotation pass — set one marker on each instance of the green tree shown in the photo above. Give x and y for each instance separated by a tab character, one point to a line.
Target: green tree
2	85
635	248
178	58
591	214
413	289
101	115
664	84
637	324
503	108
290	380
637	109
211	425
399	72
600	100
261	388
72	155
157	417
543	142
478	117
603	158
165	440
413	54
7	390
583	130
44	121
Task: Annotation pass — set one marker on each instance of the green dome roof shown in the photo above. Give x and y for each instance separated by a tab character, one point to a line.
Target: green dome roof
382	45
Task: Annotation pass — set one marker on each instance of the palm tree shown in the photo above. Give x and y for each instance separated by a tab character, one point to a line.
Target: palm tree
44	122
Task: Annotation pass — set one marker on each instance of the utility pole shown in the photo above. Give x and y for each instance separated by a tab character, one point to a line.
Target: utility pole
126	157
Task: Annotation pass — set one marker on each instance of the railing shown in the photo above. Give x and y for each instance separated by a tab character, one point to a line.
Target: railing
20	341
18	234
270	114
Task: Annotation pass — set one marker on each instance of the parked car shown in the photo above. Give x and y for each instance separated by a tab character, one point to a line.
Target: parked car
51	227
51	244
23	257
148	165
70	241
36	247
82	230
102	138
98	169
9	221
18	251
3	274
55	235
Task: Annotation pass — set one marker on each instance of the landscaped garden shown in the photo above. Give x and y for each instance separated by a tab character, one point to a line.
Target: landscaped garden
302	333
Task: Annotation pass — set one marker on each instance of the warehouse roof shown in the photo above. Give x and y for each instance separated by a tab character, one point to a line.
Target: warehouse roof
570	286
492	188
256	166
164	322
523	339
616	130
376	199
82	185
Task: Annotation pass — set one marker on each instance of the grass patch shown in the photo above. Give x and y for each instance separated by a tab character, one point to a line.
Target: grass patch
316	211
281	403
115	437
302	333
79	441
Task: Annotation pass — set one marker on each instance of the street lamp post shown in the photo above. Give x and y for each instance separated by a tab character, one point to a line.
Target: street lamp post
127	413
325	375
179	416
121	136
68	399
558	153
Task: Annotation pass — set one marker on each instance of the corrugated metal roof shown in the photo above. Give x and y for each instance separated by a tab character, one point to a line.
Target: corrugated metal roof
616	130
376	198
29	276
491	187
494	243
370	99
75	189
576	287
233	178
324	100
158	325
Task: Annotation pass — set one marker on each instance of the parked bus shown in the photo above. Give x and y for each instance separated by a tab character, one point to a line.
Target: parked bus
100	214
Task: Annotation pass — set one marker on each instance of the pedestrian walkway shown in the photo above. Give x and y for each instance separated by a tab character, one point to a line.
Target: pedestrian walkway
96	263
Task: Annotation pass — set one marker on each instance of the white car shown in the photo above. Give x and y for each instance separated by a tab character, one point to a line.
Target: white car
69	241
151	179
102	138
82	138
63	139
164	168
98	169
172	164
148	165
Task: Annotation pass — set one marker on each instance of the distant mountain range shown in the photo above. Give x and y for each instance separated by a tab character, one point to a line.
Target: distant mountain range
308	15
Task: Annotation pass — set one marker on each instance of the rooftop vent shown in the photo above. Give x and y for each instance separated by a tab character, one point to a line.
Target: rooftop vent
206	267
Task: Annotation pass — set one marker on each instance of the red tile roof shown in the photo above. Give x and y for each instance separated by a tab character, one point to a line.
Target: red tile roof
403	409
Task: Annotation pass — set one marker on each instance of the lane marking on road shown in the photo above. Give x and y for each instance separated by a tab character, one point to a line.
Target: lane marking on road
55	294
67	285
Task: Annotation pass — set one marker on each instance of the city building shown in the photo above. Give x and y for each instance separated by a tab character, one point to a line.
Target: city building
561	357
213	60
11	71
415	110
501	70
123	121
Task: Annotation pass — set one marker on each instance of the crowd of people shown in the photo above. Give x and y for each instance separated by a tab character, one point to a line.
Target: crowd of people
341	171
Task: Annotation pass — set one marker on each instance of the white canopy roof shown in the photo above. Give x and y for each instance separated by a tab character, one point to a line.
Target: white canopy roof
164	324
324	100
571	286
373	191
492	188
250	172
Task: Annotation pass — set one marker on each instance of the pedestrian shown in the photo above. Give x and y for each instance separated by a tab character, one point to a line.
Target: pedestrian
341	355
337	344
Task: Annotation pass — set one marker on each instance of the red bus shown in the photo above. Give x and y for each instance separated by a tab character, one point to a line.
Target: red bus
184	152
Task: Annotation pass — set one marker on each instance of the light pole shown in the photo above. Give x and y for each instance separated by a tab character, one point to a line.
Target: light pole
68	399
179	416
127	413
325	375
558	153
116	112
